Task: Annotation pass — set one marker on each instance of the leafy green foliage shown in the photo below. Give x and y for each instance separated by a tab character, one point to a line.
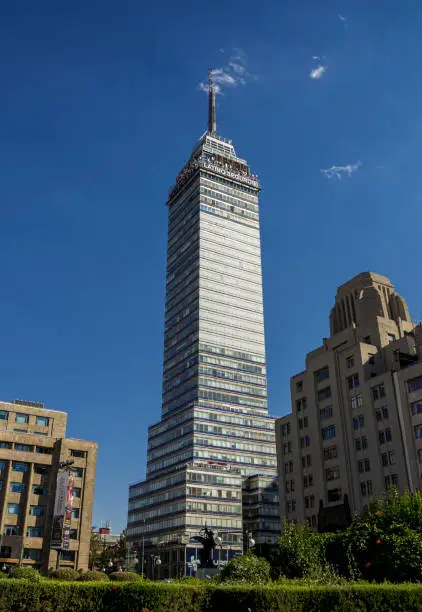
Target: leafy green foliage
26	573
65	573
300	553
246	568
53	596
125	577
93	576
385	542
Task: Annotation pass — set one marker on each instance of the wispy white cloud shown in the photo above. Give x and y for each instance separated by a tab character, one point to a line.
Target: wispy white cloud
316	73
342	18
233	74
339	171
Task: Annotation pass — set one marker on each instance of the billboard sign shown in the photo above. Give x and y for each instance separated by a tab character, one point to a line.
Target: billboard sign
68	513
59	510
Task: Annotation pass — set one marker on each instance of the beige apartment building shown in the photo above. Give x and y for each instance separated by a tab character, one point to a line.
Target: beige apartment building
33	452
356	421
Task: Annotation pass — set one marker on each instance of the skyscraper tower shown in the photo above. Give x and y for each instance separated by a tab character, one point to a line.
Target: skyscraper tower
215	429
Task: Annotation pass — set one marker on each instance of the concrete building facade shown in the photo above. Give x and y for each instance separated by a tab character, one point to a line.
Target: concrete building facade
215	429
33	450
356	421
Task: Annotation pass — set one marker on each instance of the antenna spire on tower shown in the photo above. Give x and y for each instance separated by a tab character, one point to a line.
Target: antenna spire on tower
212	116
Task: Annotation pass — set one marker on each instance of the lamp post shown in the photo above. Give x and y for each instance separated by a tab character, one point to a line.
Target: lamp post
250	542
219	543
155	563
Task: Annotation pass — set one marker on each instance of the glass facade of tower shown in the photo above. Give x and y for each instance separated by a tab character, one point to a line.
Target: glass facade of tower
215	429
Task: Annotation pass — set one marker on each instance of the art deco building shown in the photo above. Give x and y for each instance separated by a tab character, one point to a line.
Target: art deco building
215	429
356	421
36	460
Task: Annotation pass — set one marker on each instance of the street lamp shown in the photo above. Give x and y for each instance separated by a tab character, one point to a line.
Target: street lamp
219	542
250	542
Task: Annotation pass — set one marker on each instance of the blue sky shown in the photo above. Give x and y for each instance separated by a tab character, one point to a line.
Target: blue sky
99	110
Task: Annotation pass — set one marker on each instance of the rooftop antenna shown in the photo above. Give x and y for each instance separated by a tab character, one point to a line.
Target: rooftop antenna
212	116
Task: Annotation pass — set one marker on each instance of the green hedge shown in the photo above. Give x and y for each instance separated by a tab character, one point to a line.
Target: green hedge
52	596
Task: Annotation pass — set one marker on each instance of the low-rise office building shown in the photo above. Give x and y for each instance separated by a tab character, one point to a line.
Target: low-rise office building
33	453
356	421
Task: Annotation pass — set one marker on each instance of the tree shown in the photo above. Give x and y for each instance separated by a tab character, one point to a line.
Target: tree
95	548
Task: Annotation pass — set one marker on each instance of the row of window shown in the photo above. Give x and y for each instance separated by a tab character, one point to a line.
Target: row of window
32	532
24	418
27	448
20	466
14	508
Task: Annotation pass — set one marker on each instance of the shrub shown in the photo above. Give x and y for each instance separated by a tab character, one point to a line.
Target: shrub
300	553
65	573
93	576
26	573
52	596
125	577
246	568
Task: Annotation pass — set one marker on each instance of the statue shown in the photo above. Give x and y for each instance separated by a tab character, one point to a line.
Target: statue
208	544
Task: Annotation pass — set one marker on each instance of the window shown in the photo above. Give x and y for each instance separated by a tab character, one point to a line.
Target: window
13	509
420	455
325	413
353	381
416	408
286	429
308	460
382	413
391	480
388	435
38	490
378	392
42	421
414	384
21	418
19	466
328	432
287	448
44	450
330	453
17	487
40	469
32	553
364	466
350	361
361	443
82	453
418	431
391	337
75	513
2	465
305	441
26	448
36	510
11	530
68	555
303	422
306	502
299	386
356	401
301	404
5	445
290	486
34	532
73	535
334	495
312	501
366	488
324	394
286	468
78	472
308	481
358	422
322	374
4	415
332	473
